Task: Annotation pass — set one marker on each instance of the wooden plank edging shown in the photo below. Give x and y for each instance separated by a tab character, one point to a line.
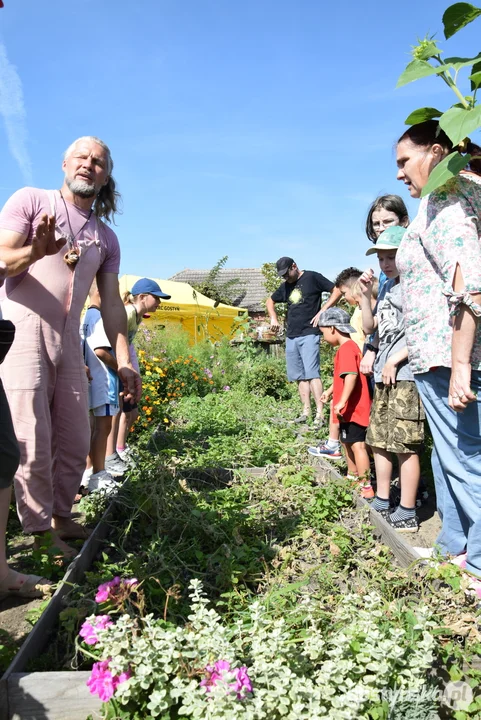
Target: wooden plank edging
36	639
51	696
404	553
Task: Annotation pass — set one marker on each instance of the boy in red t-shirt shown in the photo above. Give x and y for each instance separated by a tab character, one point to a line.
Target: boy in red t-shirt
350	391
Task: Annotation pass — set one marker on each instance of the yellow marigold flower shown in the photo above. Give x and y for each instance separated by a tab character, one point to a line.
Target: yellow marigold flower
147	372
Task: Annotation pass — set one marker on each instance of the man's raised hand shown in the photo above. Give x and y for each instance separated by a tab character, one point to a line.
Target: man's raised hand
44	242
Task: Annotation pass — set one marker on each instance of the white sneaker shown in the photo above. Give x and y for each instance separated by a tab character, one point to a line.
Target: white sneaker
102	481
126	455
86	477
115	466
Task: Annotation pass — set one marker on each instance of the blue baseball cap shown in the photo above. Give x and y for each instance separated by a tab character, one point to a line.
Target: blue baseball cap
146	286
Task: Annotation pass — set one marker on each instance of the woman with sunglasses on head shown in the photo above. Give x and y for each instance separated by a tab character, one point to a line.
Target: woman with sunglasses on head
440	267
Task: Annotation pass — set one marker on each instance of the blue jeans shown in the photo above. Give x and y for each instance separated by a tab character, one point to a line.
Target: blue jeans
456	462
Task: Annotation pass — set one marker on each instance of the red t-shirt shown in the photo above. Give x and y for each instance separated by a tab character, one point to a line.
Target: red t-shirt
346	362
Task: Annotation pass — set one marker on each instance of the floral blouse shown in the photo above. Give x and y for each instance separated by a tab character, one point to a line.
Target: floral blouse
445	232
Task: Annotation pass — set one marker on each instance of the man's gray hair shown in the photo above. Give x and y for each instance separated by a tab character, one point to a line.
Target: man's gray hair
97	141
106	202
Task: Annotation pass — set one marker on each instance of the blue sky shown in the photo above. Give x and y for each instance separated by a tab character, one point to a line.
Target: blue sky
251	129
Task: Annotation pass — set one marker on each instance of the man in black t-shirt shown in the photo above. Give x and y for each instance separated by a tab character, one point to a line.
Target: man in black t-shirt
302	291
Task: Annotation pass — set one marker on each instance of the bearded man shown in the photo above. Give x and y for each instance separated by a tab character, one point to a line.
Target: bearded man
54	243
302	291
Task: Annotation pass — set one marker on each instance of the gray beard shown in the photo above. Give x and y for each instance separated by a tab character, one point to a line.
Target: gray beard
81	188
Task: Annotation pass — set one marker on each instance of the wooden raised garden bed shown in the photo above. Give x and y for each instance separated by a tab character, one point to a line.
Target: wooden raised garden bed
64	695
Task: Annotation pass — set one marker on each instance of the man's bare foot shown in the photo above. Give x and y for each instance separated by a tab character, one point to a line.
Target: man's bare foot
68	529
66	552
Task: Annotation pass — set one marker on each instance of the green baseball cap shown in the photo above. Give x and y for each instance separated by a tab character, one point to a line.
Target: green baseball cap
390	239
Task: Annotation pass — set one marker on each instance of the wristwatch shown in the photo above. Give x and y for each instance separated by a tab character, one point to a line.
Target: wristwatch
371	347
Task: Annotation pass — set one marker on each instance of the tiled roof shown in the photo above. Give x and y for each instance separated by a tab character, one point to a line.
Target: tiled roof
252	293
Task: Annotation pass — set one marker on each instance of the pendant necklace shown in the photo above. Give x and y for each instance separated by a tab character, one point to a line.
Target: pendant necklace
72	256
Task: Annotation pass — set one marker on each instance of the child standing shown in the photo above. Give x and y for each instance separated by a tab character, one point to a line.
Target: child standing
347	282
350	393
397	416
144	298
103	393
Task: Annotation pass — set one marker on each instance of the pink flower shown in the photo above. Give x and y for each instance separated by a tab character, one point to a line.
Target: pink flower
88	631
242	684
107	591
101	681
226	387
104	590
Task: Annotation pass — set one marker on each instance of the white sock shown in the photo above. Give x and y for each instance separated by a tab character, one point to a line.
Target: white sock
333	444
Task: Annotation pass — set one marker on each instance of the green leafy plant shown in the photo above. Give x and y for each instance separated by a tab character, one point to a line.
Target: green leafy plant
464	116
272	282
222	291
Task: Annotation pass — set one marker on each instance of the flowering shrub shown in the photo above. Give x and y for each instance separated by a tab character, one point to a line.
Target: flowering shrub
169	379
264	667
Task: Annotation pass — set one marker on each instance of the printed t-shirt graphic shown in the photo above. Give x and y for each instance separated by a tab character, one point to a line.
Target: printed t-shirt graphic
303	300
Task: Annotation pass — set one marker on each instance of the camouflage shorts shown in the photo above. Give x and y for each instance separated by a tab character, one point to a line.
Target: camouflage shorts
397	418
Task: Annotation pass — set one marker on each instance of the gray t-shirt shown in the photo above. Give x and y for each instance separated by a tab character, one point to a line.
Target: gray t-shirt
391	331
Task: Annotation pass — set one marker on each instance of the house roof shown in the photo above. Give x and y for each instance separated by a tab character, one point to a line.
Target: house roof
252	293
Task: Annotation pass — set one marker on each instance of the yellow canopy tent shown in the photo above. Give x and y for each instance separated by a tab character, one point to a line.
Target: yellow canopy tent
190	310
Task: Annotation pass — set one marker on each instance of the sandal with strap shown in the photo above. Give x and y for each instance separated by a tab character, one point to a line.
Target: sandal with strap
32	587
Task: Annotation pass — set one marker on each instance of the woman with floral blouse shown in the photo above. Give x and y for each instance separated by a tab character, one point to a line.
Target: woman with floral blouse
440	264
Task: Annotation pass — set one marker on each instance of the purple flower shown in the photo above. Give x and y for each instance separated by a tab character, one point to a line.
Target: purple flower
88	631
101	681
226	388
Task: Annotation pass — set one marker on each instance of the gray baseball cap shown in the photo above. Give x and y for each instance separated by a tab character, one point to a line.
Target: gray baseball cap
338	318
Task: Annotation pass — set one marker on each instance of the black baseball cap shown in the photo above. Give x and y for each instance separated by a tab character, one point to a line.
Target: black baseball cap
283	265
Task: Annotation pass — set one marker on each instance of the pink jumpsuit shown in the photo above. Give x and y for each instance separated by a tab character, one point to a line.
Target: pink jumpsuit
44	374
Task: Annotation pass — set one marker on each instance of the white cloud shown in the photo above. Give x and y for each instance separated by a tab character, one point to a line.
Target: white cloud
12	109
